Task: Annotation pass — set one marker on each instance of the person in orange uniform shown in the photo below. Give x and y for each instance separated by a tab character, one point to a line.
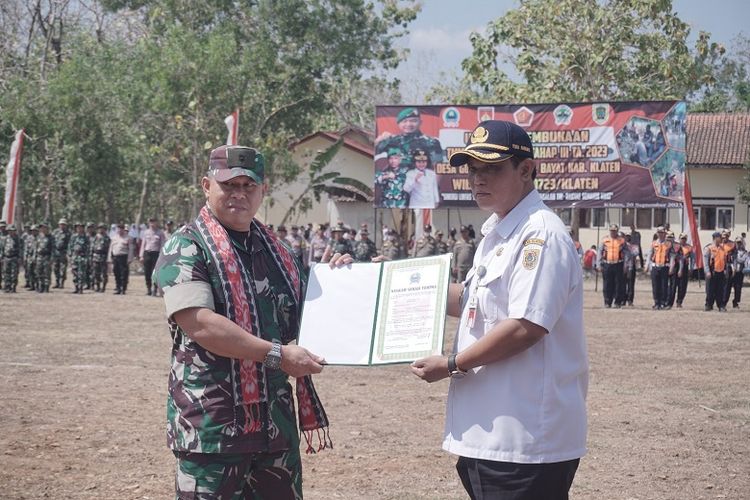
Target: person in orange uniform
611	255
688	263
714	265
731	249
658	263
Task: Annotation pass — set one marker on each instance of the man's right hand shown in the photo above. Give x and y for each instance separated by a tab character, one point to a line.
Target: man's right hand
298	361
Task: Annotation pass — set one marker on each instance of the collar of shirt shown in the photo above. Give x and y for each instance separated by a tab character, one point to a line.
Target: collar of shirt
504	227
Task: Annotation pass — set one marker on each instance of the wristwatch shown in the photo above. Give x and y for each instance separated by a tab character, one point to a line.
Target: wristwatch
273	358
453	370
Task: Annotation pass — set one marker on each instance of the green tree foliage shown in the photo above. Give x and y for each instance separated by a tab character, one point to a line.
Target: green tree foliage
730	89
582	50
125	97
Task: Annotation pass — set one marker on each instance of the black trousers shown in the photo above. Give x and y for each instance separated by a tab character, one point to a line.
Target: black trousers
630	285
614	283
149	262
672	288
715	290
660	285
682	284
490	480
737	285
121	271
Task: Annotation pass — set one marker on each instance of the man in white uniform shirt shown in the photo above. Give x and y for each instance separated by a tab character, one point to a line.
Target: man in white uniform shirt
516	410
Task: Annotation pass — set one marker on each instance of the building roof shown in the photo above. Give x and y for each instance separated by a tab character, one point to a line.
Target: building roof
718	140
352	140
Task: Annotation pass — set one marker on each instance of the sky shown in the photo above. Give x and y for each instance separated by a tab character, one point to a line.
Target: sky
439	38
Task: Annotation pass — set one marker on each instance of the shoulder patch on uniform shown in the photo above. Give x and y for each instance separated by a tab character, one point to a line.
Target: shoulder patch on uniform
530	258
533	241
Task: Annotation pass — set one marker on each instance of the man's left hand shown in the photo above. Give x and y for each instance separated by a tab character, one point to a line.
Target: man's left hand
431	369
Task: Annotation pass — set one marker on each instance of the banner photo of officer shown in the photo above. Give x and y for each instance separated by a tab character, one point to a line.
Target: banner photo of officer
588	155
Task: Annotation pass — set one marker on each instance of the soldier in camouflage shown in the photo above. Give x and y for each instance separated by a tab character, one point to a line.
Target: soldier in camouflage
364	249
225	446
463	255
391	249
91	233
42	258
391	181
11	253
99	252
61	240
441	246
29	246
410	138
426	245
78	252
338	243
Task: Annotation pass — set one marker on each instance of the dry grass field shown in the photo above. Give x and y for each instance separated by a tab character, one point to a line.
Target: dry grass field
83	385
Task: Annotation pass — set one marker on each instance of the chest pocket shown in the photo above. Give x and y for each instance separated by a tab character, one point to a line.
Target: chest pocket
488	293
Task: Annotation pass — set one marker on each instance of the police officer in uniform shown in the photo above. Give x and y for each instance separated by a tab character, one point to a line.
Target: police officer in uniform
463	255
441	247
391	248
730	249
659	258
676	265
611	256
425	245
688	263
740	261
318	245
298	244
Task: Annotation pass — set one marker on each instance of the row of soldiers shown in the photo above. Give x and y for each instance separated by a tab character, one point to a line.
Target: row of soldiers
670	262
42	252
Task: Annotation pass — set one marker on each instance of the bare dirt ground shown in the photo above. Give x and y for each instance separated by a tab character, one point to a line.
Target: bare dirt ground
83	386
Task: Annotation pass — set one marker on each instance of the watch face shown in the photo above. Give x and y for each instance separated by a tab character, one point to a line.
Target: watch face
272	361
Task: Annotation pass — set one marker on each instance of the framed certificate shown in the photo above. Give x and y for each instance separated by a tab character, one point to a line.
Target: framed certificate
376	313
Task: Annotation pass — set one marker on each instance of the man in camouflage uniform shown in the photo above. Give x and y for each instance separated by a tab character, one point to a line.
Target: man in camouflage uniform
338	242
42	258
410	138
61	240
78	252
463	255
91	233
391	249
11	252
364	249
226	446
298	244
391	181
426	245
441	247
99	252
29	246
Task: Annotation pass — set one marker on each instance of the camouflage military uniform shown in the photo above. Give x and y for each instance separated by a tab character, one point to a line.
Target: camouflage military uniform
364	250
408	143
43	257
79	257
61	239
391	249
29	245
391	185
99	251
11	252
341	246
441	247
425	246
207	427
91	233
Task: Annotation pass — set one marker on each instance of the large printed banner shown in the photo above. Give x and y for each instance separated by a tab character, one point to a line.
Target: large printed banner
588	155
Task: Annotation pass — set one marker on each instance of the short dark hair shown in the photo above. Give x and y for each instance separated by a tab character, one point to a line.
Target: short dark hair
517	160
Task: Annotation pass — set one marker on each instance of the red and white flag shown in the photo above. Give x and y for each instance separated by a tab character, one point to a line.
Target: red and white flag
233	123
12	173
688	221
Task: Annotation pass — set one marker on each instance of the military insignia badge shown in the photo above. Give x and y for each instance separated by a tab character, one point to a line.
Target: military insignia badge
485	113
523	117
451	117
563	114
480	134
600	113
531	258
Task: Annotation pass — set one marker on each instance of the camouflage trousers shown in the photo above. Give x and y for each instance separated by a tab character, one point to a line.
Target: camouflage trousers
80	272
29	270
258	476
61	268
99	272
10	272
43	272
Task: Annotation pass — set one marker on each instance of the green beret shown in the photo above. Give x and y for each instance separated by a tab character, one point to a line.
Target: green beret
407	113
394	152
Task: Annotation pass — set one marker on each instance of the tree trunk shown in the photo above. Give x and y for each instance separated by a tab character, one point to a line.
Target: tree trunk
142	202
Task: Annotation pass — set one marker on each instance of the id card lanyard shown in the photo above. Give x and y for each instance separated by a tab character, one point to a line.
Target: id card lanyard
473	300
